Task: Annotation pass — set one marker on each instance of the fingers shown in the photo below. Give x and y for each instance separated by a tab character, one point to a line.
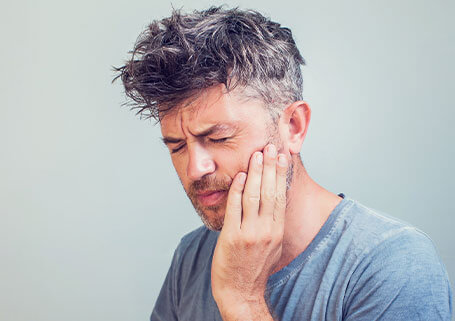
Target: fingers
264	194
268	184
233	214
252	192
280	199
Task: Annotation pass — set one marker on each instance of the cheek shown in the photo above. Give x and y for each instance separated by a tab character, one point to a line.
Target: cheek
245	162
227	163
238	160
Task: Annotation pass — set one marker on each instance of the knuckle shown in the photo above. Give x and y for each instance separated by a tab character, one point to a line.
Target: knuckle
233	207
234	201
253	199
268	239
269	194
280	200
282	171
249	240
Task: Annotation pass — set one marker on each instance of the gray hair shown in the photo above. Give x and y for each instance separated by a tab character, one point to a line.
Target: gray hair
178	57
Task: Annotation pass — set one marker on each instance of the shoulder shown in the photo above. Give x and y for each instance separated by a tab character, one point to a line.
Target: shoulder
381	241
397	270
370	231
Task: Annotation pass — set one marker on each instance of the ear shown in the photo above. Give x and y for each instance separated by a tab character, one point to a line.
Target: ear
294	125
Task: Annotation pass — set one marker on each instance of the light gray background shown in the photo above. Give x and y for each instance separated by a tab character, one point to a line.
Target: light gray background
91	209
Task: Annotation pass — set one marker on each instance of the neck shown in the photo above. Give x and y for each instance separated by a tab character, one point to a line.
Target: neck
308	207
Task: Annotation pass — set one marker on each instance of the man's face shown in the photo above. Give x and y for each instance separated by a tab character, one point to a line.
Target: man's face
210	141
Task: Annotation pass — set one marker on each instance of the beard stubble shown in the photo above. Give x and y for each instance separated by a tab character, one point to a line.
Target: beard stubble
215	221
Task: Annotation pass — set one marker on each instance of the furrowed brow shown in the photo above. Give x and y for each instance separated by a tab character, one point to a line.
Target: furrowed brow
170	140
217	128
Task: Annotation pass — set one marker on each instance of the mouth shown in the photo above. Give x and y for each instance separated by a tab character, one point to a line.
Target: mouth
211	198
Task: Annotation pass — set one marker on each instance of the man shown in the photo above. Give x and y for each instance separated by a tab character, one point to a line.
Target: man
226	87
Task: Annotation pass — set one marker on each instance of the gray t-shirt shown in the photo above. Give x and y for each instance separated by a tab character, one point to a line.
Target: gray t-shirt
360	266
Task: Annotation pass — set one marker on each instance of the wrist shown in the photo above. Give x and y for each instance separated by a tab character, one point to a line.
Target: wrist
243	309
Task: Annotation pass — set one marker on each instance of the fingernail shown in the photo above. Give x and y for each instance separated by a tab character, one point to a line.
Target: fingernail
259	158
282	161
242	178
271	151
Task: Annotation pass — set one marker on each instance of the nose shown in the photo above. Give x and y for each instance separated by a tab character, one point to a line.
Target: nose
200	162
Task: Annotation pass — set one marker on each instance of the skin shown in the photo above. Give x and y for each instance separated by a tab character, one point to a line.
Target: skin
264	225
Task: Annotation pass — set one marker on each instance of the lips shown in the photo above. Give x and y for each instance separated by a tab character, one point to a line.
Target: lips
211	198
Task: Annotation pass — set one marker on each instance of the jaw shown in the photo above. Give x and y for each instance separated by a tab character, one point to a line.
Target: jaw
211	216
213	220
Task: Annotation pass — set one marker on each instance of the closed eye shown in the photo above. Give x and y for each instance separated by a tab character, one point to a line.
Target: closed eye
175	150
218	140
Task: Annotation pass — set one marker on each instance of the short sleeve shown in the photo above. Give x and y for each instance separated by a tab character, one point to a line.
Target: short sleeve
401	278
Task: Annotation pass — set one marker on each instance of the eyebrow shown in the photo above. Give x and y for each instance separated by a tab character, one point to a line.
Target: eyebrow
217	128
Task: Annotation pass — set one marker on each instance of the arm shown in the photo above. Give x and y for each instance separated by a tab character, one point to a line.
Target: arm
250	243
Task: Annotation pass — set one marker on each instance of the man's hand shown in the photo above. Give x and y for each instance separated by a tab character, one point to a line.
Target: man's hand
250	243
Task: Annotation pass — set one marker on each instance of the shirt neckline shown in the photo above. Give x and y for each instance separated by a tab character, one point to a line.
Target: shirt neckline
286	272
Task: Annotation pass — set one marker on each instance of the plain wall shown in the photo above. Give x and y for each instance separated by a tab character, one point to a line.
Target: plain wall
91	209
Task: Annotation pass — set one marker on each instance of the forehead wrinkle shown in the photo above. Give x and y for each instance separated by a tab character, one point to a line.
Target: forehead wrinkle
200	120
218	127
204	100
202	111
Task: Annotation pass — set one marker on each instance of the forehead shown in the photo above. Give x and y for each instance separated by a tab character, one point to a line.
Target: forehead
213	106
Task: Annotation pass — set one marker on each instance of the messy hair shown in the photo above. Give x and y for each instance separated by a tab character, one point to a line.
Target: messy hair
179	56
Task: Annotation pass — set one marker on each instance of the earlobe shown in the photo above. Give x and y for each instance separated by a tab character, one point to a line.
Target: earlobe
296	120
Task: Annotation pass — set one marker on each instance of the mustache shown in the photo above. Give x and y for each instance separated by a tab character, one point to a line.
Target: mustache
209	183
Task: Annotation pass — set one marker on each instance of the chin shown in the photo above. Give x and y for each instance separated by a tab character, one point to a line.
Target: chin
212	219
